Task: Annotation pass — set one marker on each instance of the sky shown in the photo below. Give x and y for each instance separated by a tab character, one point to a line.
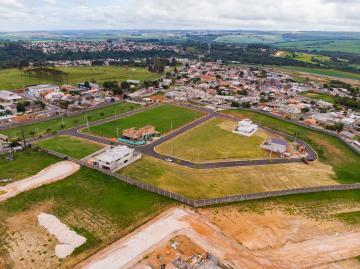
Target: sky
287	15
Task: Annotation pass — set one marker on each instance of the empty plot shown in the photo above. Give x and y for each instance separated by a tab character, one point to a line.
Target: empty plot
71	146
214	140
212	183
163	117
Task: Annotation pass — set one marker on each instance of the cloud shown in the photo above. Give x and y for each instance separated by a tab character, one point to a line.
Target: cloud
184	14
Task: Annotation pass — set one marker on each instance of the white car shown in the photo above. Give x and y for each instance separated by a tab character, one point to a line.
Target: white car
168	160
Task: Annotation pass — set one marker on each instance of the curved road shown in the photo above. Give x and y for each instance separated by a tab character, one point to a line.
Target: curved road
149	149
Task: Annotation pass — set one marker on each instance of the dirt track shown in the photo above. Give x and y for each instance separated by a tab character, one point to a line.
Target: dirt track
317	249
51	174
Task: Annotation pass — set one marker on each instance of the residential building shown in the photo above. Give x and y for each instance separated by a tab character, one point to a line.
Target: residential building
38	90
115	158
8	96
246	127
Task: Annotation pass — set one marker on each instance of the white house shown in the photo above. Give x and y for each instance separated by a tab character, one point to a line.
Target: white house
246	127
275	145
116	158
8	96
38	90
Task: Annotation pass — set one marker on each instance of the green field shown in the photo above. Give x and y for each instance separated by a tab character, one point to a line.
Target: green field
213	183
25	164
248	38
303	57
100	207
14	79
331	151
54	125
323	72
320	96
71	146
214	140
351	46
163	117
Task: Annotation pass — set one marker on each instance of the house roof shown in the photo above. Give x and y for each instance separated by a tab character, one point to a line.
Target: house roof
279	142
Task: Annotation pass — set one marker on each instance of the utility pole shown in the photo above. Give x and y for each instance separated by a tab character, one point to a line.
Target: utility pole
171	126
171	145
87	123
117	132
62	121
23	136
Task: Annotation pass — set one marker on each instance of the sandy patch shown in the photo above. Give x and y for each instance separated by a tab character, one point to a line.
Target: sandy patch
51	174
69	239
272	240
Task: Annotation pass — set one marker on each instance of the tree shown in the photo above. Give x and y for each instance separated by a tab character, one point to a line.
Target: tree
305	110
20	107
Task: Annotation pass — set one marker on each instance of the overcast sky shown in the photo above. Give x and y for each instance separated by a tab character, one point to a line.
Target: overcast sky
329	15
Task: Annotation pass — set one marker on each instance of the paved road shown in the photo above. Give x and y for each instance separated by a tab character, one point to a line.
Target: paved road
150	148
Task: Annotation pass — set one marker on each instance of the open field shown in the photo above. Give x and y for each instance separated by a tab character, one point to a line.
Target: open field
351	46
54	125
331	151
214	140
323	72
319	96
15	79
95	205
26	163
213	183
248	38
163	117
303	57
72	146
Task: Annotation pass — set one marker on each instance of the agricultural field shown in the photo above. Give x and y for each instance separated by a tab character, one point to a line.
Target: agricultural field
344	161
213	183
54	125
320	96
323	72
11	79
71	146
248	38
303	57
25	164
95	205
350	46
163	117
214	140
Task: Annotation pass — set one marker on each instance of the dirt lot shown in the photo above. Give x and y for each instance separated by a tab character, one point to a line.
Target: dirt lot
239	239
51	174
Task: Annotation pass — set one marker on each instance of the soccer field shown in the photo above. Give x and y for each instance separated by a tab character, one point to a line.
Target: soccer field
214	140
163	117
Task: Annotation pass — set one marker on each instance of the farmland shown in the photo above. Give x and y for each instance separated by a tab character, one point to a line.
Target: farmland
14	79
25	164
214	140
350	46
331	151
96	205
303	57
212	183
163	117
70	146
54	125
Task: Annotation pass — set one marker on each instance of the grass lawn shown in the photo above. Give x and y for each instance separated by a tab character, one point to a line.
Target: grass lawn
15	79
212	183
72	146
98	206
331	151
161	117
320	96
26	163
214	140
50	126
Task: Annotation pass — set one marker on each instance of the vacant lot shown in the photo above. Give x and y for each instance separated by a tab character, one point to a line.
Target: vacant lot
54	125
199	183
15	79
214	140
97	206
25	164
163	117
71	146
331	151
320	96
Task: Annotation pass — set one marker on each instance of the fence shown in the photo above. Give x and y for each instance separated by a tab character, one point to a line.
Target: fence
211	201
